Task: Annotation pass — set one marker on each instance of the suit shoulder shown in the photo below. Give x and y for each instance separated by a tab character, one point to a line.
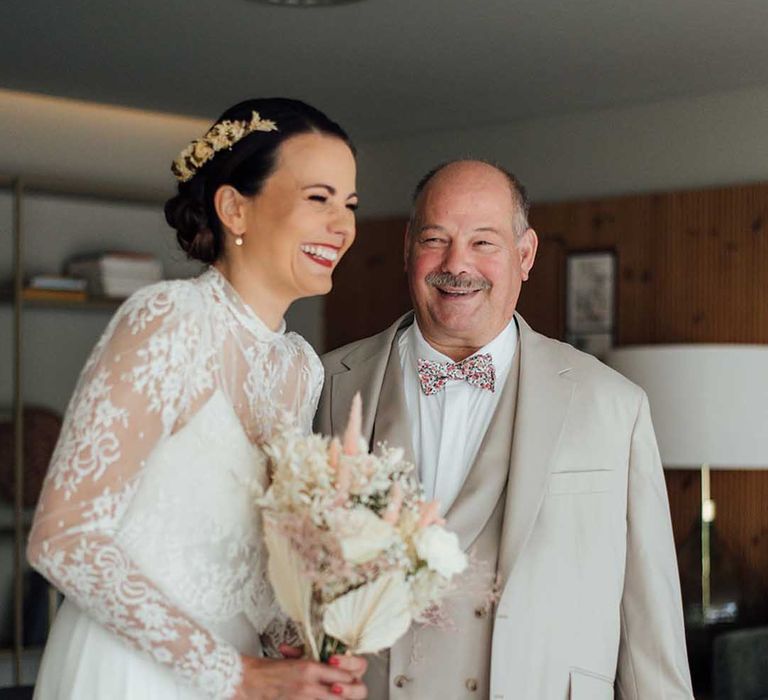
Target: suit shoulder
332	360
592	371
360	350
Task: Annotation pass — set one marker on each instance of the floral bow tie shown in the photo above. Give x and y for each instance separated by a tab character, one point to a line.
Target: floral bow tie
477	370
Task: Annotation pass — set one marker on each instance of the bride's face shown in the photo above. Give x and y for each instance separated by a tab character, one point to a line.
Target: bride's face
303	220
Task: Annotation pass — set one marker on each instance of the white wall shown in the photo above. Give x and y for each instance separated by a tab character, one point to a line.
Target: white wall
676	144
46	136
691	142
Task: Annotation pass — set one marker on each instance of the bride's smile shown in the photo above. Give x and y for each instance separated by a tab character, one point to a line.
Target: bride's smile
295	229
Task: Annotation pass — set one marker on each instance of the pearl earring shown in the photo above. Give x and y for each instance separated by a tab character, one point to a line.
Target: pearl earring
239	240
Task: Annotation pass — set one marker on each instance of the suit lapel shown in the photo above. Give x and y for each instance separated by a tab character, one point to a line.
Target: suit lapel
391	421
366	366
488	474
544	397
384	418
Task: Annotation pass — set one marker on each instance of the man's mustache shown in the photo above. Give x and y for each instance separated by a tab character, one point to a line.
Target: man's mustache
446	279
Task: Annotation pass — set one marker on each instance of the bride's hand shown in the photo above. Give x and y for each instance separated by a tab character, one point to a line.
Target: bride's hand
356	665
300	679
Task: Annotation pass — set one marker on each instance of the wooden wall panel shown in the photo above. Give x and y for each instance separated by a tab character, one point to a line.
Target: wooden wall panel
693	265
369	286
541	297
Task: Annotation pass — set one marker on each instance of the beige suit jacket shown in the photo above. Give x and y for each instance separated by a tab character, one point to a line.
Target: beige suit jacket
590	604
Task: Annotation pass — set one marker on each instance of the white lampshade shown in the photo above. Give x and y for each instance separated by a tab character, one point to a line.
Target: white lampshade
709	403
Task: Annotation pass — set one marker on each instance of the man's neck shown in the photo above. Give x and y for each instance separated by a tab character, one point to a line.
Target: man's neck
458	348
456	352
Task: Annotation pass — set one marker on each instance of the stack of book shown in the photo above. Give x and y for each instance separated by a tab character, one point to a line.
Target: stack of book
116	275
55	288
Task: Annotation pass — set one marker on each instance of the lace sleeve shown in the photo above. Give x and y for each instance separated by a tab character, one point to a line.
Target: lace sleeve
130	396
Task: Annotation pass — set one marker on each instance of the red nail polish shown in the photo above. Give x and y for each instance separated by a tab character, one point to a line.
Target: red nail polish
336	689
334	661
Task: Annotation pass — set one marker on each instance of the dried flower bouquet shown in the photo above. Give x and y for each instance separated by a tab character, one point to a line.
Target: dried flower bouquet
355	552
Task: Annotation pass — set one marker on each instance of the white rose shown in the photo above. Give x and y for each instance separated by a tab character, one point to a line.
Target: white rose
362	534
441	550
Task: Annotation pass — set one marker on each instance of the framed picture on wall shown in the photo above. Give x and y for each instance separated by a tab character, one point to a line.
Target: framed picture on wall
590	300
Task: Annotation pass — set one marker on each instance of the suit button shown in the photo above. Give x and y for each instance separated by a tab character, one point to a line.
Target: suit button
400	681
471	684
481	612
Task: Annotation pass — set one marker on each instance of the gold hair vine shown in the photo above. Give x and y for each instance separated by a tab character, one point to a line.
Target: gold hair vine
220	136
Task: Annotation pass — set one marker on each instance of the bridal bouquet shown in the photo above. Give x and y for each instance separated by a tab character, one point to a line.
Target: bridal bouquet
355	552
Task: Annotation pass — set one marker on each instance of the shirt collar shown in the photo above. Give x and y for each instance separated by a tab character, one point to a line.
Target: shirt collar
501	348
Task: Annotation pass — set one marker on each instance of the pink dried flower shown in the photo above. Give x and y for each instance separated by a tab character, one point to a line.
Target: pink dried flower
354	426
392	513
334	448
343	481
429	515
437	616
320	552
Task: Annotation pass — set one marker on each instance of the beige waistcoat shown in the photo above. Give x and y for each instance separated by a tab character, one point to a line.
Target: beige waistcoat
424	654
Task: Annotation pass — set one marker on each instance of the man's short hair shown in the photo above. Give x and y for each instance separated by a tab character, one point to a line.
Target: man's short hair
519	193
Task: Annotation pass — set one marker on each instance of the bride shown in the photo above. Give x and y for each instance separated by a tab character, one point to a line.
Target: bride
147	520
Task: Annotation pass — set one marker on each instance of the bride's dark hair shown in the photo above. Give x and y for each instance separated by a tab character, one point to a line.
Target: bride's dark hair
245	167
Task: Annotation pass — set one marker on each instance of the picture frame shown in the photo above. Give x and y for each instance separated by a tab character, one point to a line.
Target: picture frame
590	300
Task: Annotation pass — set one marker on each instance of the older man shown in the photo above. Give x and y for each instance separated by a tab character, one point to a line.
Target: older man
545	463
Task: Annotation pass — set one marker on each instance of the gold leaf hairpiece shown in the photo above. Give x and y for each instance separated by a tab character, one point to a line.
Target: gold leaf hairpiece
221	136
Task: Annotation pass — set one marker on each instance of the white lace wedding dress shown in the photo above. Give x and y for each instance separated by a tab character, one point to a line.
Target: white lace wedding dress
147	520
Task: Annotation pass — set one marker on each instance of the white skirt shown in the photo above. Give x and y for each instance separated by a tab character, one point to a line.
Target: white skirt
85	661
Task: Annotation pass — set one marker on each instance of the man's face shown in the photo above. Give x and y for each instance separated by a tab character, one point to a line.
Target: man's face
464	259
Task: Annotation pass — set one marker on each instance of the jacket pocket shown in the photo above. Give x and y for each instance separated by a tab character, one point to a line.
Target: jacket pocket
583	481
586	685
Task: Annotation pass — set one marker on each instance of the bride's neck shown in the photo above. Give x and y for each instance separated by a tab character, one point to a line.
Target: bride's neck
266	303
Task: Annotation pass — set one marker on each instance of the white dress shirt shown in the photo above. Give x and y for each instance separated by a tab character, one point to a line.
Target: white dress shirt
448	427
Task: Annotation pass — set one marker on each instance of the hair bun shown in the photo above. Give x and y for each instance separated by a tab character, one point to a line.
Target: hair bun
187	215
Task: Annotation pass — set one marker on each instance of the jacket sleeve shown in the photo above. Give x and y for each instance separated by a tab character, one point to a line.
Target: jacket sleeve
652	655
128	398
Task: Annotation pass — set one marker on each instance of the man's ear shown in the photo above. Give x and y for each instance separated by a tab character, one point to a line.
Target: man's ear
407	245
528	244
230	208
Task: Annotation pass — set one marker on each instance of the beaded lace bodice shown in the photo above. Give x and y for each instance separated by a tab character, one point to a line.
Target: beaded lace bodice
147	518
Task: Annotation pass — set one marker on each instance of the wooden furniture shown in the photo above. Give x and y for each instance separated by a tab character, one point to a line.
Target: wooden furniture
693	268
740	669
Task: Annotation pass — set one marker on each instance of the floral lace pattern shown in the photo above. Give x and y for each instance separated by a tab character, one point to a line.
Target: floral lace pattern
146	519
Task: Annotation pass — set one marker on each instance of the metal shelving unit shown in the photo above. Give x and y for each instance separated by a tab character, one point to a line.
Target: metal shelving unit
19	188
90	304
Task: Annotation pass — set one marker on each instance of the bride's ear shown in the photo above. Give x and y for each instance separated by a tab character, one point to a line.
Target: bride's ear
230	208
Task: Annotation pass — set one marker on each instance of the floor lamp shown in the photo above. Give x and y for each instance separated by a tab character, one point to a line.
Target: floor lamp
709	405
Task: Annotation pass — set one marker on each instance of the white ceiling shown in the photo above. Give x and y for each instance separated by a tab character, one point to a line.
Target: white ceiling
385	67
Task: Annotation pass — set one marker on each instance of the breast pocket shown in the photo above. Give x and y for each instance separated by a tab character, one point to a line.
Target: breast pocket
586	685
581	481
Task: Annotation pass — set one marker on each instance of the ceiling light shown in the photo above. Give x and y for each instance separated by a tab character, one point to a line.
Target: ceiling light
307	3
